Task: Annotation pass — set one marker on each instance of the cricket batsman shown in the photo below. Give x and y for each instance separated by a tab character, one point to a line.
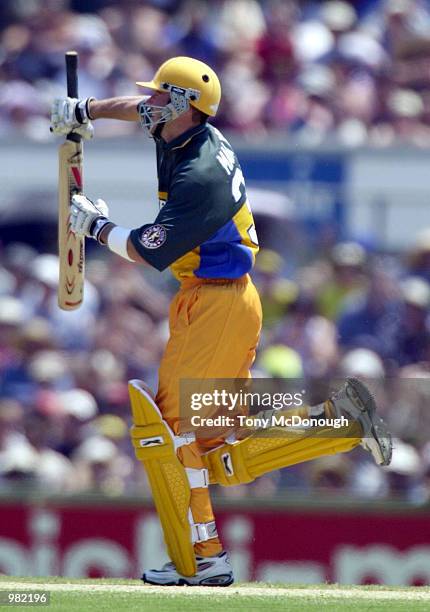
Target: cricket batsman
205	232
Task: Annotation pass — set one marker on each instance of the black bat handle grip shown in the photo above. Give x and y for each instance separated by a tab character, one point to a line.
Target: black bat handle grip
72	83
72	74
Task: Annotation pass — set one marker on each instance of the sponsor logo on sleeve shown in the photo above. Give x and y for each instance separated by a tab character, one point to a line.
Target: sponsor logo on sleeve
153	237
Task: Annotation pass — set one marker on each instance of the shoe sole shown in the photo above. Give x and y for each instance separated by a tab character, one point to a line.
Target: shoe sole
184	582
378	428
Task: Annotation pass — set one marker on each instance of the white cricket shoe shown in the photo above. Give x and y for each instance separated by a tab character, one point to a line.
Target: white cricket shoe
355	400
211	571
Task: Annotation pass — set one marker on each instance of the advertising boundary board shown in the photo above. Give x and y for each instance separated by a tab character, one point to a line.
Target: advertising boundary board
273	545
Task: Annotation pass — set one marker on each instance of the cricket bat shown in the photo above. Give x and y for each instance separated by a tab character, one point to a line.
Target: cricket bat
71	248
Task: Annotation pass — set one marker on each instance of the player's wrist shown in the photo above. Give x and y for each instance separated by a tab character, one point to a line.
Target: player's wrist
105	232
97	227
82	111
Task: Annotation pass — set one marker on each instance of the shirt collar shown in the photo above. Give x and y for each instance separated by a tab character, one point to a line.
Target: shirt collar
183	139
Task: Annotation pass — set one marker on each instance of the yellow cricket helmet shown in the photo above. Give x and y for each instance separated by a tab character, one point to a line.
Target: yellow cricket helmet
191	79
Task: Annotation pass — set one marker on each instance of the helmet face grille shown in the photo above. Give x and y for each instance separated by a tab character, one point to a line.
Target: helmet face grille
152	115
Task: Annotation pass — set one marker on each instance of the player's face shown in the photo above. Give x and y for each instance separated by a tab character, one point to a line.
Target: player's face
157	99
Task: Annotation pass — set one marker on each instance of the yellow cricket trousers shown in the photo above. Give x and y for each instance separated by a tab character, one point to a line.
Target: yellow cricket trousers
214	330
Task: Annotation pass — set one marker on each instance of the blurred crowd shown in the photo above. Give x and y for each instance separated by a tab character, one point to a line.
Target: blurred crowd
64	409
350	73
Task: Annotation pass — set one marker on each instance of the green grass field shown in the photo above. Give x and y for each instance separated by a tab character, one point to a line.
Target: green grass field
68	595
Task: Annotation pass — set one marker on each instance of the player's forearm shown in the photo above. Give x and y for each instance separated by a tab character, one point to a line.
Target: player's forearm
131	251
123	108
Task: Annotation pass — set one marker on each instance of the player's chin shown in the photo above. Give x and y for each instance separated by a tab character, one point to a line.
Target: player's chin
149	129
156	130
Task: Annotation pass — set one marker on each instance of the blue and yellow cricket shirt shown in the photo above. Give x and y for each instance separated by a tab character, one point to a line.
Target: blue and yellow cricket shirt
205	226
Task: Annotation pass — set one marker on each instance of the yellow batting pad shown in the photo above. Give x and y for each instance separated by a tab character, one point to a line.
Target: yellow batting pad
154	447
275	448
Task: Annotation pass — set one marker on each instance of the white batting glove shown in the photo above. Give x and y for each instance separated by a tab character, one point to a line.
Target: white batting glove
71	115
88	218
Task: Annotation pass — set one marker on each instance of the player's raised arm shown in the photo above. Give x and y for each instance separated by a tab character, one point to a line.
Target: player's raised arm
69	114
123	108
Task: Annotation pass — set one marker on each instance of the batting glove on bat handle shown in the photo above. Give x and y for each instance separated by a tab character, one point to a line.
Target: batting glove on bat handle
71	115
88	218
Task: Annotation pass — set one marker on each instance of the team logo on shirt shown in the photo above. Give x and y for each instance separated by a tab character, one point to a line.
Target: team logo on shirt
153	237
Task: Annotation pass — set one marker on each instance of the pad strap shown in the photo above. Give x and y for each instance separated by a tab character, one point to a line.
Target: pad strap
197	478
181	440
201	532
